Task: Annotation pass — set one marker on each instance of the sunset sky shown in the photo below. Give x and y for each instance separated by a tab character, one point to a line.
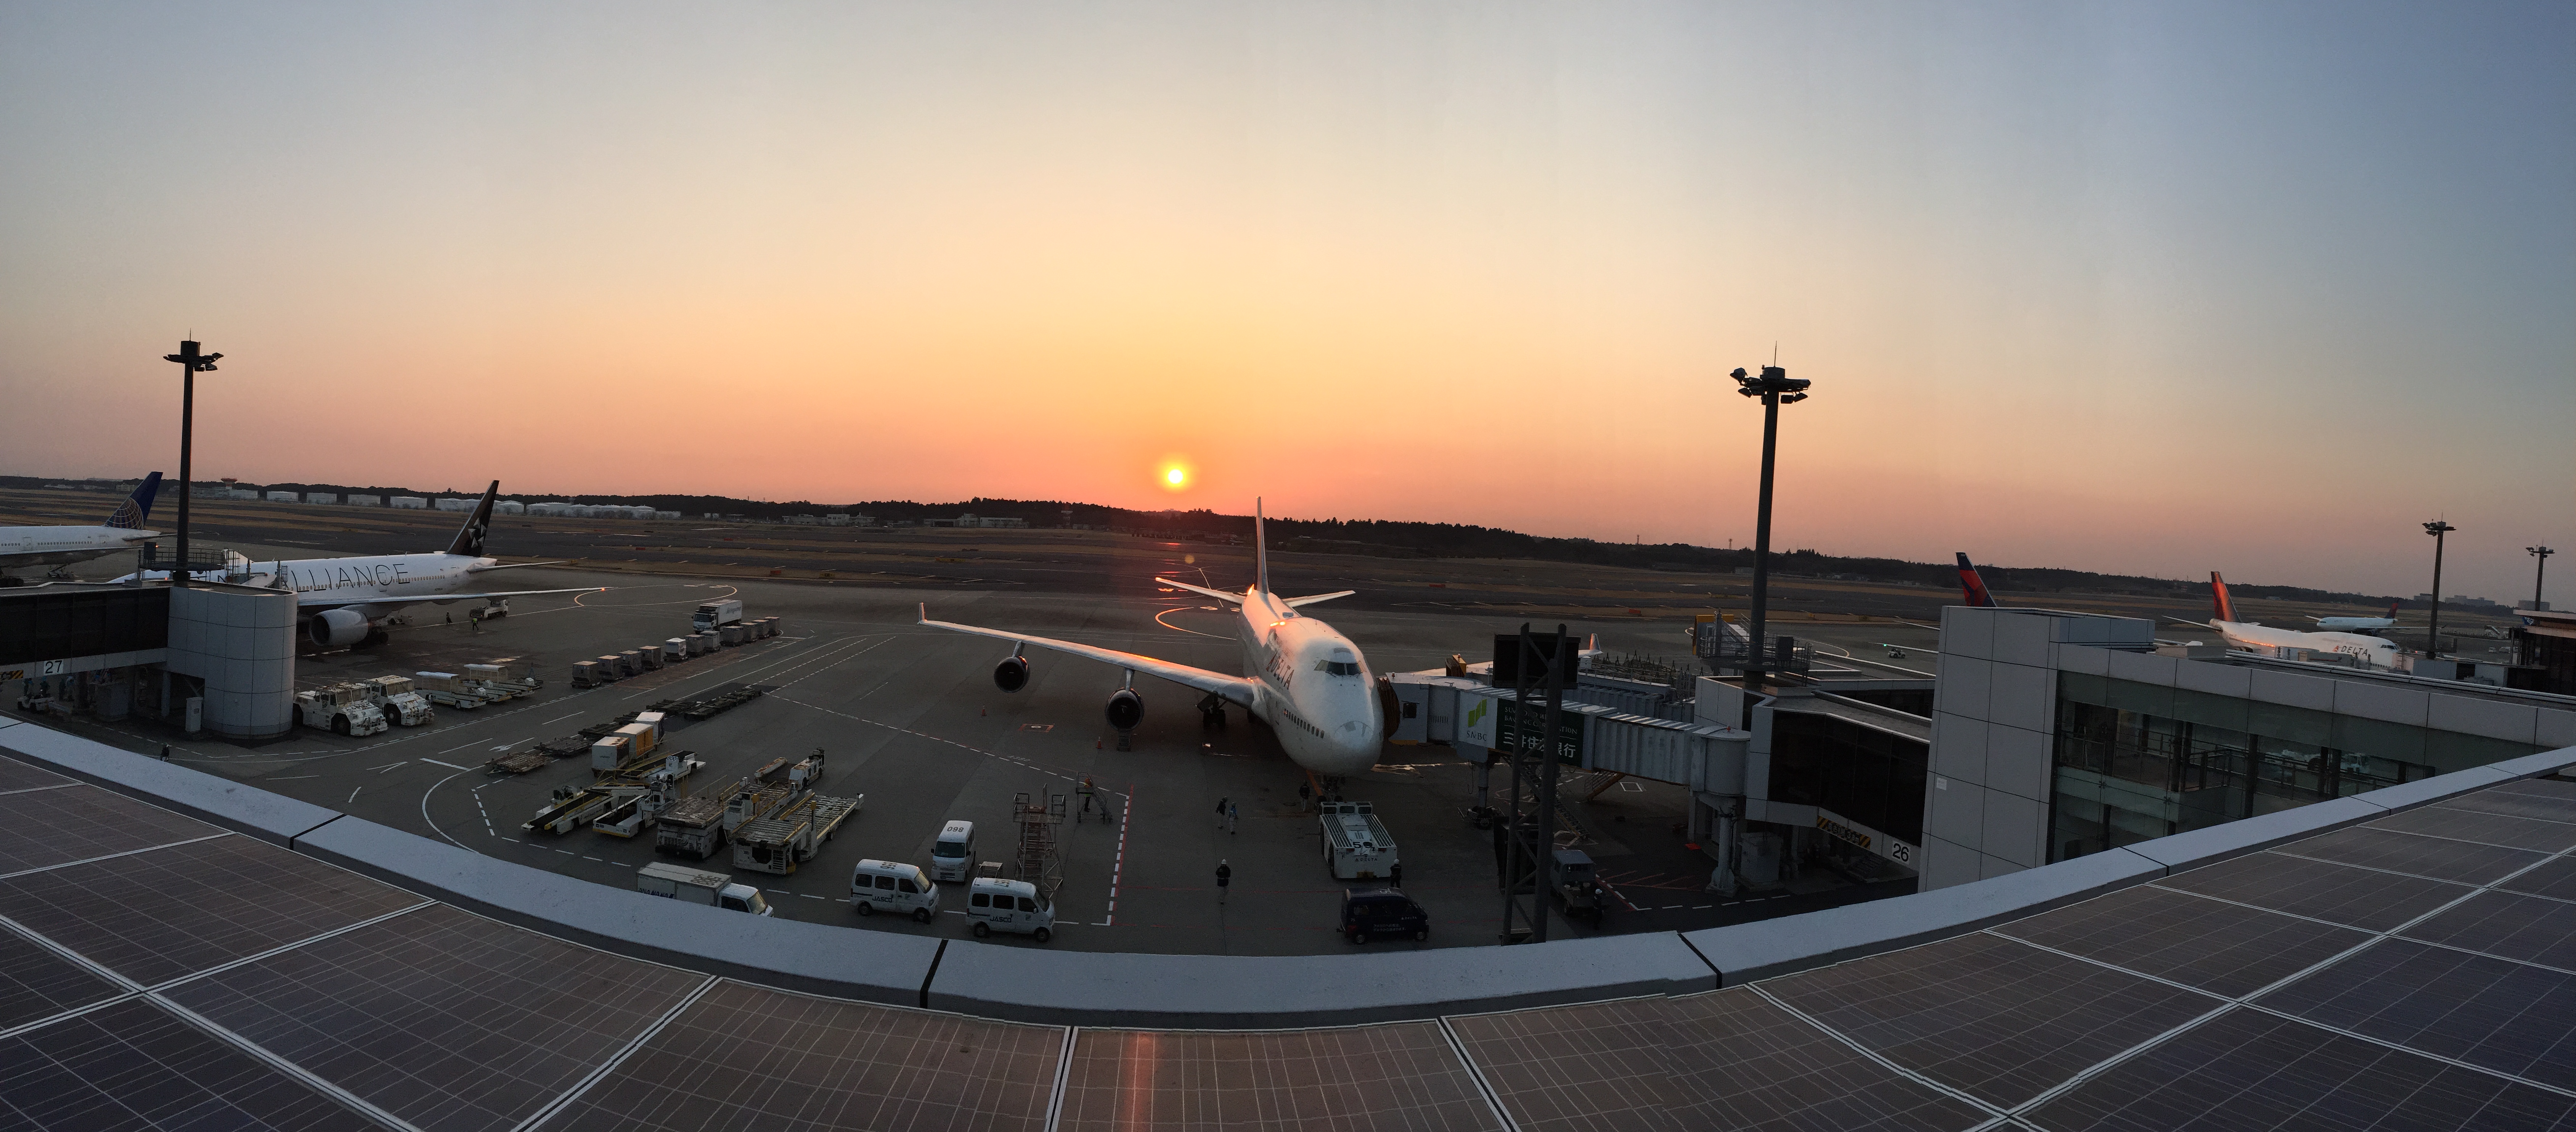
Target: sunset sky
2148	287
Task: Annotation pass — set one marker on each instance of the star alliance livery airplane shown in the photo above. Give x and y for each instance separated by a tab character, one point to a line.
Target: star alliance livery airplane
344	601
1308	681
62	546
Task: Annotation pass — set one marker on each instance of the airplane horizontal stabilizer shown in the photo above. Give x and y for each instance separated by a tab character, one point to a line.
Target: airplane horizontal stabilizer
1294	602
1220	595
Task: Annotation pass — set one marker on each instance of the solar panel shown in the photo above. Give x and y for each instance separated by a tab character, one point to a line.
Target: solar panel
36	983
2473	825
2557	878
1747	1064
2438	857
2251	1070
1599	1065
15	775
2361	898
2512	1017
2502	923
132	1066
1991	1017
754	1058
2222	948
2530	798
1396	1075
155	916
445	1019
76	823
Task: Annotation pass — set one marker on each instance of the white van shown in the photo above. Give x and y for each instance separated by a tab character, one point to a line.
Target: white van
889	886
1010	905
953	857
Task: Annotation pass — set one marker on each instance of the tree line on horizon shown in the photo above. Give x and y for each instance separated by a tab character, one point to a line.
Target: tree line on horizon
1386	538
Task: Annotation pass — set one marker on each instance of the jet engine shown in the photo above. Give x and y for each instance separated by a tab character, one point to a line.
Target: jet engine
338	627
1012	674
1126	709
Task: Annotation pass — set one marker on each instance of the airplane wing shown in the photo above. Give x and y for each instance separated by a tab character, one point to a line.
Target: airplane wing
508	566
342	603
1234	688
1294	602
1220	595
2193	624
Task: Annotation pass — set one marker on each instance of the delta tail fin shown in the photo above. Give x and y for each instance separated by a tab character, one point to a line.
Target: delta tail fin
469	539
1260	550
2221	609
1972	588
130	515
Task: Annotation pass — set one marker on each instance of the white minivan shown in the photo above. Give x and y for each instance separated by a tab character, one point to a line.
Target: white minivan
953	856
891	886
1011	906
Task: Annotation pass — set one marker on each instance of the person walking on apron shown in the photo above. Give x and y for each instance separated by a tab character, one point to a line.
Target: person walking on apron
1232	815
1224	877
1085	791
1221	804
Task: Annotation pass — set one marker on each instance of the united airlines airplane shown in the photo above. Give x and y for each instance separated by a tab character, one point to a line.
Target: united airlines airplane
62	546
344	601
1308	682
2378	652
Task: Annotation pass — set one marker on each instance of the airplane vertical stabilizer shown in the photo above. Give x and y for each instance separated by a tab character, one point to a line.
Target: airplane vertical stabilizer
469	539
1972	588
1260	550
137	507
2221	609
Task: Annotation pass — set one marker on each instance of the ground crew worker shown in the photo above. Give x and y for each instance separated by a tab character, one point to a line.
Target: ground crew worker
1085	791
1395	875
1231	816
1221	804
1224	877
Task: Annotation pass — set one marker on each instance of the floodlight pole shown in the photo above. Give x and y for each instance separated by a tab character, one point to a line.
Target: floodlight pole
191	364
2539	570
1770	387
2433	630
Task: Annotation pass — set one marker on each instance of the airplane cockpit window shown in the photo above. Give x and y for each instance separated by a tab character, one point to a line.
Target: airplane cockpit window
1340	667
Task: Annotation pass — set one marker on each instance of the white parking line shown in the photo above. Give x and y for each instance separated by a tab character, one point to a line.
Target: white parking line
450	766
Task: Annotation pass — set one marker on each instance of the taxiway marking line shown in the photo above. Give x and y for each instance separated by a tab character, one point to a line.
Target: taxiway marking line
450	766
1120	864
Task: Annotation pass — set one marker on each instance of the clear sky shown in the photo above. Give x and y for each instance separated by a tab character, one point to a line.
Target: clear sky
2154	287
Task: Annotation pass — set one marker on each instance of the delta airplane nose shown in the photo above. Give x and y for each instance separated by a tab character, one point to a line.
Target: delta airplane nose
1353	750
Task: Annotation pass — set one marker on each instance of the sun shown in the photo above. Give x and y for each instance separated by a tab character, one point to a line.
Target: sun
1176	477
1176	473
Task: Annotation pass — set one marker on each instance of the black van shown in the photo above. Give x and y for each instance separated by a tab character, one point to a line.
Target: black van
1382	913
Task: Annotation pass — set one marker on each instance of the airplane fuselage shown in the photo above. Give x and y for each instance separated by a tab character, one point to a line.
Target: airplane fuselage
62	546
1311	686
2348	624
2378	652
329	583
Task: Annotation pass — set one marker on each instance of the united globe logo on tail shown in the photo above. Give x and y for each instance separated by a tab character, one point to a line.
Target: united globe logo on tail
131	513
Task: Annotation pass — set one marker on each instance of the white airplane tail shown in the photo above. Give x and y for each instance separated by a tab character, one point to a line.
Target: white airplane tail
1260	550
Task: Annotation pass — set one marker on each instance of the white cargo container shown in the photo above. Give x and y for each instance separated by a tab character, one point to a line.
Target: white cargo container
675	650
697	886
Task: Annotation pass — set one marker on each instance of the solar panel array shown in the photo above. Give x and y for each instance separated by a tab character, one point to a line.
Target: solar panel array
2415	972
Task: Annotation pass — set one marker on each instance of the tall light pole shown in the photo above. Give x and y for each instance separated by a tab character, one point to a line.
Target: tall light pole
1776	388
2539	570
2433	636
191	363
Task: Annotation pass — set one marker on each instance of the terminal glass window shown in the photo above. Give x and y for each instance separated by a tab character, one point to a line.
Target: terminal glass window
2136	762
1863	774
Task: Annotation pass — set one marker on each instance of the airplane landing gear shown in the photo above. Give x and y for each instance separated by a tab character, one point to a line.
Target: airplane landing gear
1212	713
